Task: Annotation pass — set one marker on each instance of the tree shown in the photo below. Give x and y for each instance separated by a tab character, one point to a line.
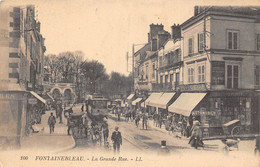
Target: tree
94	72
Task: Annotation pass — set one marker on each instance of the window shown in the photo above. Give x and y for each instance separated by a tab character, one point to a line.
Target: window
190	45
177	78
153	70
190	75
161	79
201	73
257	41
232	37
160	61
146	72
171	78
257	75
166	79
201	42
232	76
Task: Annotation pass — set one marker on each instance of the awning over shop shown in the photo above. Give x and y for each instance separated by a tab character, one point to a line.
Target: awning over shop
130	96
185	103
38	97
152	99
136	101
50	96
164	100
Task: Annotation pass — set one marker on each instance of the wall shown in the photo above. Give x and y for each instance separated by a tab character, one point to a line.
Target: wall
219	26
192	32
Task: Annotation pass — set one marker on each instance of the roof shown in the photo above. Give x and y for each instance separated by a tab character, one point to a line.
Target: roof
252	12
142	51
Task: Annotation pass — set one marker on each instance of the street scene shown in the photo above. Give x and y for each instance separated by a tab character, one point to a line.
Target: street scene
185	92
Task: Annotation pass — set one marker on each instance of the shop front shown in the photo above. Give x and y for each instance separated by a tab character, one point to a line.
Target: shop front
35	110
13	106
215	108
151	103
221	107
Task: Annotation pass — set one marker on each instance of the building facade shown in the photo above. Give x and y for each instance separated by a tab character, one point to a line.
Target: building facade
21	48
211	64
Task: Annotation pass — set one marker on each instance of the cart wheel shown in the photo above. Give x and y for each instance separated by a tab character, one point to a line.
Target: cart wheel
235	131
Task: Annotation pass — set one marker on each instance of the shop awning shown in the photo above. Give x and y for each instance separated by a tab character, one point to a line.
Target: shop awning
185	103
130	96
50	96
136	101
38	97
153	99
164	100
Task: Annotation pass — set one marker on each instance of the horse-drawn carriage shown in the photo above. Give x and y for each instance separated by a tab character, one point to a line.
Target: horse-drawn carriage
232	128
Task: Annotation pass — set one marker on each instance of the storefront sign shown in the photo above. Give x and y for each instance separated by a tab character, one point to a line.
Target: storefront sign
32	101
207	113
7	96
195	87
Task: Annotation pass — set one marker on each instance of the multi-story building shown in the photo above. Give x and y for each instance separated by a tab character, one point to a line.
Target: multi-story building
21	50
211	67
146	64
221	61
170	62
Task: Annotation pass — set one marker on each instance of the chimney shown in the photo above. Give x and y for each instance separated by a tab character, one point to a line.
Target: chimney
196	10
176	32
154	29
154	44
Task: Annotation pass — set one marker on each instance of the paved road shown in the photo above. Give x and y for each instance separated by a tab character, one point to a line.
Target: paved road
148	141
146	144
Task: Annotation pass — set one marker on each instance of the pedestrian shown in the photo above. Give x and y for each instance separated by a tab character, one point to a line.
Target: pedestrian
82	108
137	119
144	121
105	133
117	140
69	123
60	113
160	120
51	122
86	126
118	114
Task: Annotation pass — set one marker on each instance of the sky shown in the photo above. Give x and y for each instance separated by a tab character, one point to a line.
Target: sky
105	30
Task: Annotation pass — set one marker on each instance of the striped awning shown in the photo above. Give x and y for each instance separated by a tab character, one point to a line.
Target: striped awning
38	97
185	103
136	101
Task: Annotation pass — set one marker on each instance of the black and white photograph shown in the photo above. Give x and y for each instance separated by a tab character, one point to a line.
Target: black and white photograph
130	83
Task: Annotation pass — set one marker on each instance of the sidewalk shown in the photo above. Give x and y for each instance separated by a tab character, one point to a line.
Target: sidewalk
44	141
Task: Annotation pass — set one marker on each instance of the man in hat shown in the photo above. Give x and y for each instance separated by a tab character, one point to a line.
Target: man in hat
117	140
51	122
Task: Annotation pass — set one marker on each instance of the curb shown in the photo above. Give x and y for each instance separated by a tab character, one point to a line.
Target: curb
68	147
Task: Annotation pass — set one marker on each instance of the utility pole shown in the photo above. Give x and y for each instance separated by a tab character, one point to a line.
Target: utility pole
133	57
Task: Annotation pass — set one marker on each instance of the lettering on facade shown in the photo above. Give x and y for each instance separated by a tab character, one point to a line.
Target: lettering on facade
7	96
195	87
